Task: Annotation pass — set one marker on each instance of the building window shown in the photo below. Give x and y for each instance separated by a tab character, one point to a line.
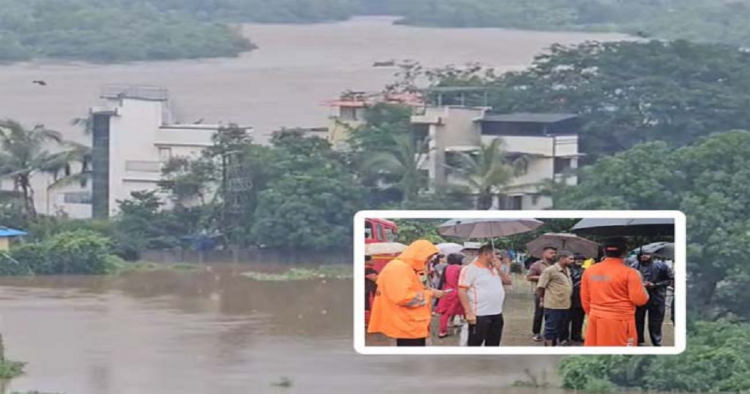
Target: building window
165	154
143	166
390	235
77	198
516	203
348	113
562	165
521	166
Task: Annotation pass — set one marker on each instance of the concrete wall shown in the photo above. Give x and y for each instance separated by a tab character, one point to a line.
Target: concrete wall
132	137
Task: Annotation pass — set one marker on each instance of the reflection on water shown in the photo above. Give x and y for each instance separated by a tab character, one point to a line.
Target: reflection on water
213	331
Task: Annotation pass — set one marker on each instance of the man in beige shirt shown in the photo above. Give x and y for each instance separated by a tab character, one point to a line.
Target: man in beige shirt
554	290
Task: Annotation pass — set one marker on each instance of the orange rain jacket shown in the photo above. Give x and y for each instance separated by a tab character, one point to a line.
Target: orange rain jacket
402	304
610	292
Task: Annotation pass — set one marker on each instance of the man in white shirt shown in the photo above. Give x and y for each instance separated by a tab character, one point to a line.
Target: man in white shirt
482	296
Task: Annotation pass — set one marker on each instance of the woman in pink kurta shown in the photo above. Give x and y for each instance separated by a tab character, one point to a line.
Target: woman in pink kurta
450	305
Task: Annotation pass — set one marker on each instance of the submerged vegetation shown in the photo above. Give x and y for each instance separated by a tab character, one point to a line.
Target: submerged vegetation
322	272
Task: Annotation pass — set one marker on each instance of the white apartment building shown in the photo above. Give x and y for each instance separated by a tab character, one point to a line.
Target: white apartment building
133	135
546	145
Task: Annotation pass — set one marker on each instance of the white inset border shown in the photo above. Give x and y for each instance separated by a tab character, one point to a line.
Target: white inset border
680	293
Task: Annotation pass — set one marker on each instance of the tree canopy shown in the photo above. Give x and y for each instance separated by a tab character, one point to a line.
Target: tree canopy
695	20
626	92
709	181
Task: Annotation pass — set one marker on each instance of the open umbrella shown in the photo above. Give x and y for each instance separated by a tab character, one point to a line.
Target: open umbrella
562	241
447	248
659	249
487	228
378	248
625	227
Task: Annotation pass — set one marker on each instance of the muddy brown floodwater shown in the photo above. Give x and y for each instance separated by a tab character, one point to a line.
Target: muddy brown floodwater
201	332
282	84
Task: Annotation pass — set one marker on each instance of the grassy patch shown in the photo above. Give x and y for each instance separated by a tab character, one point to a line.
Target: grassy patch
146	266
323	272
11	369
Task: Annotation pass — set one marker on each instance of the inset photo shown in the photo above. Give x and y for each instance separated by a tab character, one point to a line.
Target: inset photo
520	282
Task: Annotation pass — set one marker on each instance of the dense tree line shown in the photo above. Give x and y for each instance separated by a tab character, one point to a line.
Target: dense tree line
625	92
696	20
109	31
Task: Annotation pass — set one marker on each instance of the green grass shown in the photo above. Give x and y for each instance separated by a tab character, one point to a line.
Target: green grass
11	369
146	266
323	272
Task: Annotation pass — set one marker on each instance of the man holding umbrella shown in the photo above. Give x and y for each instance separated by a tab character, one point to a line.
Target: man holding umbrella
657	276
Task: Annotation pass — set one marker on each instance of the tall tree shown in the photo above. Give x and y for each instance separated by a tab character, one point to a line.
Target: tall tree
709	181
487	172
310	203
24	154
400	166
627	93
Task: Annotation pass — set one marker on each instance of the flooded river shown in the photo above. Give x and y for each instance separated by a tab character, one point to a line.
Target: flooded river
200	332
284	83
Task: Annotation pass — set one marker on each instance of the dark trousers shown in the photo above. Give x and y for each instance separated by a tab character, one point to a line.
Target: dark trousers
576	317
538	317
555	322
488	331
655	311
411	342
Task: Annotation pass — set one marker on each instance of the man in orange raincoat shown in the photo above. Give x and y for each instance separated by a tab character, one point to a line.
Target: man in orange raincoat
610	292
402	307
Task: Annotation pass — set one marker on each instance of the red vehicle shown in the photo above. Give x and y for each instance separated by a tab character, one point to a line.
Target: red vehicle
376	231
380	230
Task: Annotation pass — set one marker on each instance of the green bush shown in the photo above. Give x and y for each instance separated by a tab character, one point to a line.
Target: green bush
80	252
34	256
12	267
717	359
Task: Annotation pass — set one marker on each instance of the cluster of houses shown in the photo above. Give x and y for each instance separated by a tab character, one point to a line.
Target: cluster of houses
134	134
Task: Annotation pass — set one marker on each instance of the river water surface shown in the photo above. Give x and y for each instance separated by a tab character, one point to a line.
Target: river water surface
284	83
215	331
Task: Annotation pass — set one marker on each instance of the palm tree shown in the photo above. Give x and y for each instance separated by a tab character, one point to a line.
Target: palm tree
403	163
24	154
487	172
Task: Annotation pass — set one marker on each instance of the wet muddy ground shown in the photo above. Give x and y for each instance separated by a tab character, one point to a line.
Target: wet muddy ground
518	314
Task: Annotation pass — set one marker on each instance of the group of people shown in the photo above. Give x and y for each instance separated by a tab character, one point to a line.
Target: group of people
614	297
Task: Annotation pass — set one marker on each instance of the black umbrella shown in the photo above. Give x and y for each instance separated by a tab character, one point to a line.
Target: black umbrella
625	227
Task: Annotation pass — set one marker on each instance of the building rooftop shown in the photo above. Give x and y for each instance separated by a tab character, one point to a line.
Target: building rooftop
139	92
525	117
